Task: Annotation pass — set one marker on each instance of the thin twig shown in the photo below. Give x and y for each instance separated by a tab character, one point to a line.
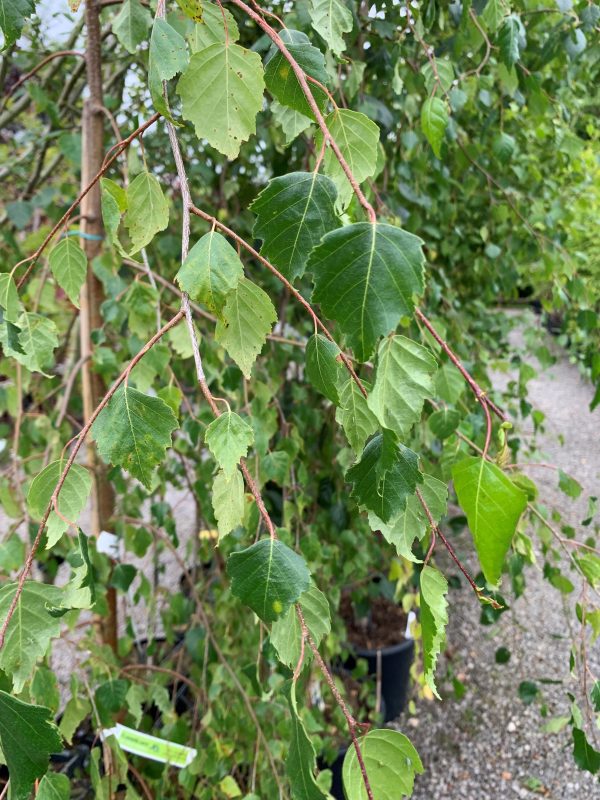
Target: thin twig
79	439
66	216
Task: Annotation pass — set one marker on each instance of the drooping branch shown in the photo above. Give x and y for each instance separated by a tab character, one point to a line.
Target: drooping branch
293	291
33	259
302	80
79	440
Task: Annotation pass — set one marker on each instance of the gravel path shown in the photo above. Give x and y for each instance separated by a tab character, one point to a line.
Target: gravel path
489	745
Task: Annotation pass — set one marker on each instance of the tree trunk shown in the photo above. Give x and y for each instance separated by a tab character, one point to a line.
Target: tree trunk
92	295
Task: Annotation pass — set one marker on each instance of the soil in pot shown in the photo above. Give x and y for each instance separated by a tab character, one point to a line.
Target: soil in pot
379	639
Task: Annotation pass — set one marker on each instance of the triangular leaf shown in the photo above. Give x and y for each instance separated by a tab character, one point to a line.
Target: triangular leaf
281	80
212	27
13	14
268	577
358	139
228	501
355	416
68	263
434	121
391	763
247	319
72	498
403	381
131	24
323	368
134	431
412	522
229	438
31	341
221	93
286	632
493	505
331	19
30	629
294	212
147	210
28	737
168	51
211	270
54	786
381	269
386	475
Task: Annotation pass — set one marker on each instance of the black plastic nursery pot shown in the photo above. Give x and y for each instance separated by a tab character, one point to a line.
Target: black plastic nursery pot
392	666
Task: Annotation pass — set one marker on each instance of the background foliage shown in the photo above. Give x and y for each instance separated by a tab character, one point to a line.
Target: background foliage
470	134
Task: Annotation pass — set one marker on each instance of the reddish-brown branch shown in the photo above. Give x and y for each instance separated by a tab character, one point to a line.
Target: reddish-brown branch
38	67
352	723
80	438
316	320
302	80
67	215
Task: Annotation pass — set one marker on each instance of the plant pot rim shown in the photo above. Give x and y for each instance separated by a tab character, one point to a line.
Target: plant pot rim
390	649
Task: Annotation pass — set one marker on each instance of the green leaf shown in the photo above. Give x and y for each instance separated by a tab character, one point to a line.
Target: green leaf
168	50
30	629
385	476
331	19
434	121
268	577
444	422
31	342
221	93
75	712
228	502
247	320
508	40
286	632
211	270
229	438
449	383
569	485
300	763
404	380
323	368
147	210
381	269
131	24
391	763
291	122
281	80
211	30
110	698
80	592
192	8
68	263
28	736
12	553
355	416
358	139
412	523
293	214
434	618
123	576
503	147
493	505
493	14
444	77
72	498
13	14
9	298
54	786
134	431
